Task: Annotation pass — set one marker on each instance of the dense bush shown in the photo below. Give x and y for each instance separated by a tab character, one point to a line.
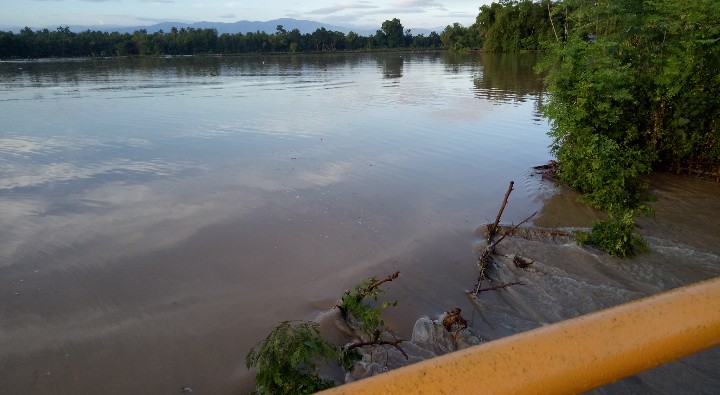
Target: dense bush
616	236
286	361
634	87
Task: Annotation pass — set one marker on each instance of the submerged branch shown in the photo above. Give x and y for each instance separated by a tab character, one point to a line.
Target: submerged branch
507	232
493	228
378	342
499	287
379	283
484	260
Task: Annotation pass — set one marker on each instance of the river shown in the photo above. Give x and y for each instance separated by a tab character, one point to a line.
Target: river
159	216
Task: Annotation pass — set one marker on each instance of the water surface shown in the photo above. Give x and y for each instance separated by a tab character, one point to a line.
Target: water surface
159	216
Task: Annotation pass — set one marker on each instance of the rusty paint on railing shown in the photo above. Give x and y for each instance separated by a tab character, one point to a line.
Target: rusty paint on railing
570	356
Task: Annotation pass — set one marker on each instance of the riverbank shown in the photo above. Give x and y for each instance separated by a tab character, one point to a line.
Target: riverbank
566	280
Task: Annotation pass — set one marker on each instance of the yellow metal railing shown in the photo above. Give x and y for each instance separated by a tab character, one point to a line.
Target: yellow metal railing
570	356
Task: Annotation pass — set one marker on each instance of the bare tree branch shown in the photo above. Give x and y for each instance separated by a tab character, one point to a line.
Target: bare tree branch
379	342
499	287
493	229
380	282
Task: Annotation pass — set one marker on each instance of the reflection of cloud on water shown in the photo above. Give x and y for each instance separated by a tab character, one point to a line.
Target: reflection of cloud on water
330	173
24	147
110	219
291	179
131	219
19	176
209	132
297	124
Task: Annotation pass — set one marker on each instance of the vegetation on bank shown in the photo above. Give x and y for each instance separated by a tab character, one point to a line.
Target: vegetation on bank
287	360
189	41
634	87
506	26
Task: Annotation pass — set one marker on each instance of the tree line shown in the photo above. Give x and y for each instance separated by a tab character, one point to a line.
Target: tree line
633	88
62	42
506	26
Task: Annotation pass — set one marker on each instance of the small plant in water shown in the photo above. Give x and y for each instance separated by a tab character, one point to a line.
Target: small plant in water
286	361
352	302
616	236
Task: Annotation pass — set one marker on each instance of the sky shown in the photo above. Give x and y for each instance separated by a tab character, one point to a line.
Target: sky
362	13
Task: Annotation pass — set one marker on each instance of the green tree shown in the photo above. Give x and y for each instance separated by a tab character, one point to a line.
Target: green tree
287	360
62	42
634	87
516	25
459	38
393	31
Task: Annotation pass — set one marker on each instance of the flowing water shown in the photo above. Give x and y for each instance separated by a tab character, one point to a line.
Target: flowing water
158	217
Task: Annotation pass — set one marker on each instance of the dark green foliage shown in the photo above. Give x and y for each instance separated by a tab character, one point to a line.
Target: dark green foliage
348	359
616	236
508	26
394	34
286	361
634	86
456	37
190	41
354	303
517	25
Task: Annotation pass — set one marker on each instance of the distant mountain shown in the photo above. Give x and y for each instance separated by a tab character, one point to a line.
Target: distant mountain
243	26
305	26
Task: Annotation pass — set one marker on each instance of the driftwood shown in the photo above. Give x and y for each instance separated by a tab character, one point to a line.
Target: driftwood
493	228
522	262
499	287
454	318
491	247
548	171
377	341
365	292
379	283
536	231
485	258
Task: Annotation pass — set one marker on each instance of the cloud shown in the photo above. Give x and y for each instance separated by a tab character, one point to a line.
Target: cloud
353	11
458	15
417	4
339	7
227	16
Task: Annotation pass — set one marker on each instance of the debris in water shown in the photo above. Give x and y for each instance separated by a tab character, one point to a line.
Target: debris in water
522	262
453	321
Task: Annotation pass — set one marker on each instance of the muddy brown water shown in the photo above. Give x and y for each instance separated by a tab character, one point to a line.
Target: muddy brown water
158	217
